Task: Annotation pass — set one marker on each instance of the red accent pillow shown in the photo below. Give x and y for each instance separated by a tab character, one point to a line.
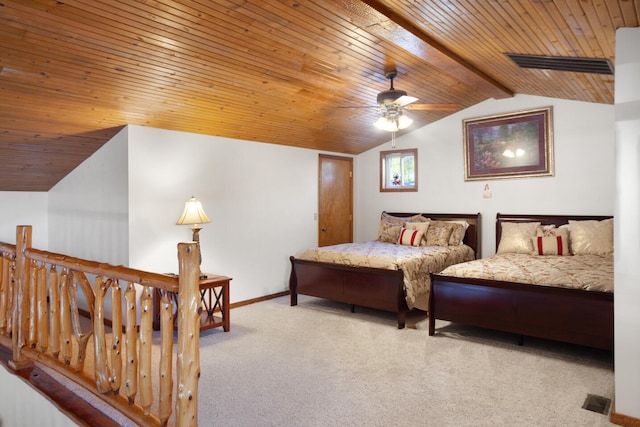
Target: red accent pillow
410	237
550	245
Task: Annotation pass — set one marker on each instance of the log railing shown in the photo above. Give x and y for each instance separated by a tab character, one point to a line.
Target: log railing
119	362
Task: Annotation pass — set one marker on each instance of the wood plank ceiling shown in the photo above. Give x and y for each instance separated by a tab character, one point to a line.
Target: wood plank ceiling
74	72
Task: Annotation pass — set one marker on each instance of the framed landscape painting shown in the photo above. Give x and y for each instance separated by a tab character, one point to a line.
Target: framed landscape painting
513	145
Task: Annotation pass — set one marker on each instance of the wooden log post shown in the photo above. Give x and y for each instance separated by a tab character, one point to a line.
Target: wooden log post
82	339
33	294
54	310
188	357
4	293
101	364
42	309
144	370
131	345
11	302
65	318
21	307
116	340
166	358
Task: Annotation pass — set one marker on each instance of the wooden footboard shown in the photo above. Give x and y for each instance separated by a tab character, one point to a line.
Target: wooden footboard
368	287
376	288
568	315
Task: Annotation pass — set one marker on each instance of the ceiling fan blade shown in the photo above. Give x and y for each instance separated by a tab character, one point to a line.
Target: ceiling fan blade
357	106
433	107
405	100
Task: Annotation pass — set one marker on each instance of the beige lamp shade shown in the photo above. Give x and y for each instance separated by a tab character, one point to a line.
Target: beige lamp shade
193	213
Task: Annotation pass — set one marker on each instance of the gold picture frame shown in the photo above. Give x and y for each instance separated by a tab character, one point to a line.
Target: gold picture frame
512	145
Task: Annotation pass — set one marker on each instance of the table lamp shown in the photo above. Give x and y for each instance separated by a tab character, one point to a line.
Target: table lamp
194	215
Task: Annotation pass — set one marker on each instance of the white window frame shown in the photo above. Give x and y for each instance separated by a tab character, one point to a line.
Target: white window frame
386	180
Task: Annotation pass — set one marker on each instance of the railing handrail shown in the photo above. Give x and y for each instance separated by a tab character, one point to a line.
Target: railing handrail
39	317
7	247
144	278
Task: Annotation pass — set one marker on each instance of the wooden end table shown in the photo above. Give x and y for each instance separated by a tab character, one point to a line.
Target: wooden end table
214	297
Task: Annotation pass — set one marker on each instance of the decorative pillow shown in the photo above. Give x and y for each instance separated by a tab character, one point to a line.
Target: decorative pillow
389	232
399	219
439	234
547	230
457	231
418	225
553	231
410	237
422	226
516	237
550	245
591	237
420	218
457	236
395	220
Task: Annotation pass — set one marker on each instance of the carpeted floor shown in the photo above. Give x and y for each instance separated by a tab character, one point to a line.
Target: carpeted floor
318	364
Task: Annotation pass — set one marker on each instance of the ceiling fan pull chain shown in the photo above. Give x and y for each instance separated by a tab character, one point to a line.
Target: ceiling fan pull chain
393	140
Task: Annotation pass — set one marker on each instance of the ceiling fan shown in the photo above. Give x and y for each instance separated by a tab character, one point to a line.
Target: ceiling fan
397	97
393	101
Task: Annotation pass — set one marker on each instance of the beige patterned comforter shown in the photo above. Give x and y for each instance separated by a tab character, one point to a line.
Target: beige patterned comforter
588	272
416	262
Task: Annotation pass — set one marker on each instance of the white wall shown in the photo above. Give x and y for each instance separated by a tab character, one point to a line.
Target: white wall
627	223
88	212
584	146
21	405
121	205
261	199
24	208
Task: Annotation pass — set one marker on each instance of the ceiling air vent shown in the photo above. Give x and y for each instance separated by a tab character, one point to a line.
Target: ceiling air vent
563	63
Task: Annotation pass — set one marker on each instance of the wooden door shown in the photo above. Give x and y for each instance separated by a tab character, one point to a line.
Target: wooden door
335	200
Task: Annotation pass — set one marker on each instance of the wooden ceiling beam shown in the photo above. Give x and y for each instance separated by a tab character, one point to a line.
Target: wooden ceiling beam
387	24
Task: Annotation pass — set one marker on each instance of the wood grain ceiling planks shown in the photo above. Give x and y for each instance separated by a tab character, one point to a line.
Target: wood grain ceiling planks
74	72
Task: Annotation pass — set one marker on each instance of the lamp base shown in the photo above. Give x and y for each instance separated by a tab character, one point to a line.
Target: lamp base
196	238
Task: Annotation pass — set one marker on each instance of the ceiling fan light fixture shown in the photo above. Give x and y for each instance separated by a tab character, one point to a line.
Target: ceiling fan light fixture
383	123
393	123
404	121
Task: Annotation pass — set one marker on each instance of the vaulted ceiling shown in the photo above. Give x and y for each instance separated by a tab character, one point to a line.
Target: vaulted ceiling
300	73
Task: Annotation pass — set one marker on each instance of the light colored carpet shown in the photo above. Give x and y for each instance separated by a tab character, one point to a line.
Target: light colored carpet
318	364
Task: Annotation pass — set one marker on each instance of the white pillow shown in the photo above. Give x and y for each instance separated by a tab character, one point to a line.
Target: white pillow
516	237
591	237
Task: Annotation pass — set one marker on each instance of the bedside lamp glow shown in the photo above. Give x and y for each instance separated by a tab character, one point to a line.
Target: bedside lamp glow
194	215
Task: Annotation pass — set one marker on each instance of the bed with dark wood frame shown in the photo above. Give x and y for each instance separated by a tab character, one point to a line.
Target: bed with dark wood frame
363	286
568	315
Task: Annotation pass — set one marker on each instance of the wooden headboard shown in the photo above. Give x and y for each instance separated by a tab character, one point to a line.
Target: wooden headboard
472	237
556	220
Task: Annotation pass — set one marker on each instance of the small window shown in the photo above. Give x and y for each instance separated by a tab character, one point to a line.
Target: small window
399	170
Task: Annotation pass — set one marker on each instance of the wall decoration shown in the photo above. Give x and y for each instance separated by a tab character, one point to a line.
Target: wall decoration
513	145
